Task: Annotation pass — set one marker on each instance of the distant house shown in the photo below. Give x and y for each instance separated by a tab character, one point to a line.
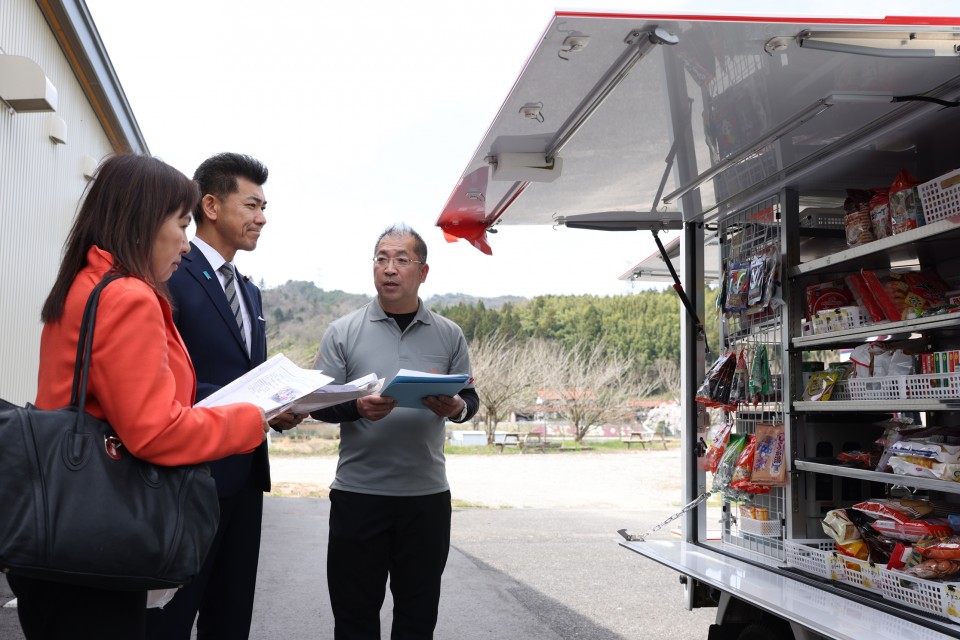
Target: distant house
62	110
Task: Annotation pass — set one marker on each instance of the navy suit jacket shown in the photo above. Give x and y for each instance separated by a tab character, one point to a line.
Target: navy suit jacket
209	330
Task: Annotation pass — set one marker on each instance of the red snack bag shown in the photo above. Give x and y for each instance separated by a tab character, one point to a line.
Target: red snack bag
905	210
899	510
905	294
717	446
828	295
743	471
864	298
914	530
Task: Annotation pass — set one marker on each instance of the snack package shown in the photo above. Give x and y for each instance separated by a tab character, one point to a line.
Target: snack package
859	459
718	444
845	534
724	472
897	509
738	388
906	294
754	512
880	214
940	548
913	530
741	482
856	222
927	448
934	569
905	210
738	287
828	295
759	385
857	228
820	385
767	268
715	390
864	298
769	461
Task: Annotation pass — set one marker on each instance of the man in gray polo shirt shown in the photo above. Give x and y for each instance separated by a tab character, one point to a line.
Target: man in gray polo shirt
390	501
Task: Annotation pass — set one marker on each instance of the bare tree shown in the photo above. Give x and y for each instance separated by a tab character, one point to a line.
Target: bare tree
591	387
503	374
667	373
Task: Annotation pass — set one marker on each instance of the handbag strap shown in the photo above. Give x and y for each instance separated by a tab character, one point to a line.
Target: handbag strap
81	366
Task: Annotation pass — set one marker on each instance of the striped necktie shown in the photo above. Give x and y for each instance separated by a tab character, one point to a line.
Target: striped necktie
229	287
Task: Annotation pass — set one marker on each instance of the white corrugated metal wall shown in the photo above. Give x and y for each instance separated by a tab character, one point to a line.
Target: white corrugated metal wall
40	186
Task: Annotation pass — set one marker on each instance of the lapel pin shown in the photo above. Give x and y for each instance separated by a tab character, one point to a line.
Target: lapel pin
207	274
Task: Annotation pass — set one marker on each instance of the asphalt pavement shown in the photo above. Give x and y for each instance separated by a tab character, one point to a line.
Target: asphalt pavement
531	574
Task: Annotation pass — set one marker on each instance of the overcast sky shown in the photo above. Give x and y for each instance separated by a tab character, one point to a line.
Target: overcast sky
366	113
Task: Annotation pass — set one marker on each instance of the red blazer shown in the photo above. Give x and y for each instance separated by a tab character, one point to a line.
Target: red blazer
141	379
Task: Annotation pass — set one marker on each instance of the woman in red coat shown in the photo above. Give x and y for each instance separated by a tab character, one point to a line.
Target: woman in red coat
133	221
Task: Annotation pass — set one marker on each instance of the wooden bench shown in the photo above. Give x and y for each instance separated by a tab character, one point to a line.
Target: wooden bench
642	438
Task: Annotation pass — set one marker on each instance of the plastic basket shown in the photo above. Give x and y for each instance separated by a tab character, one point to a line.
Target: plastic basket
861	573
838	319
940	197
933	386
936	597
887	388
813	556
765	528
923	386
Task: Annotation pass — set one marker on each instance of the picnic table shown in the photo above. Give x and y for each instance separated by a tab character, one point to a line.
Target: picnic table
642	438
522	441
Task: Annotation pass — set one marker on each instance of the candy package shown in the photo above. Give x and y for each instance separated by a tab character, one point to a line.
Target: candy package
769	462
738	287
880	214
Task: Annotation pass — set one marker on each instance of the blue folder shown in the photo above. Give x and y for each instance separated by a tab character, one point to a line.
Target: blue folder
408	388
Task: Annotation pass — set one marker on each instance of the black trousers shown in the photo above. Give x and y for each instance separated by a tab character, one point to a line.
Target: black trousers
371	537
223	592
54	611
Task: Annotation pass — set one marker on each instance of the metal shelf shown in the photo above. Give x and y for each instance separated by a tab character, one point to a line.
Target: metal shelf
878	331
878	476
875	406
877	248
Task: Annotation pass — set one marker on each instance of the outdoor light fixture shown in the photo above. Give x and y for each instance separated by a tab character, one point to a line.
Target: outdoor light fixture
574	42
884	44
24	87
56	129
774	134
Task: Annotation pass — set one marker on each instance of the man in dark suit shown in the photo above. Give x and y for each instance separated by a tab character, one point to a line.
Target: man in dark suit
220	317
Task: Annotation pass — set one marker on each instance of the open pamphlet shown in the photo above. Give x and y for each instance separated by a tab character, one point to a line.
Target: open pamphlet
408	387
278	385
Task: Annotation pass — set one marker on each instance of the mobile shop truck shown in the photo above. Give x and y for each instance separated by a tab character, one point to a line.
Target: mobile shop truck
811	168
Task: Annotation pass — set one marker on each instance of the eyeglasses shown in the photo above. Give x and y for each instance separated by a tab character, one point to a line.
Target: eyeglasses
401	262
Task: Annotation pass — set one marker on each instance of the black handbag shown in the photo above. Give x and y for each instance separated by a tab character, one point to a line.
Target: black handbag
75	507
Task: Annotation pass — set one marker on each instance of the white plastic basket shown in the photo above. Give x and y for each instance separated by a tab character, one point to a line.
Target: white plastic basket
923	386
838	319
927	595
887	388
940	197
862	574
812	556
933	386
766	528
